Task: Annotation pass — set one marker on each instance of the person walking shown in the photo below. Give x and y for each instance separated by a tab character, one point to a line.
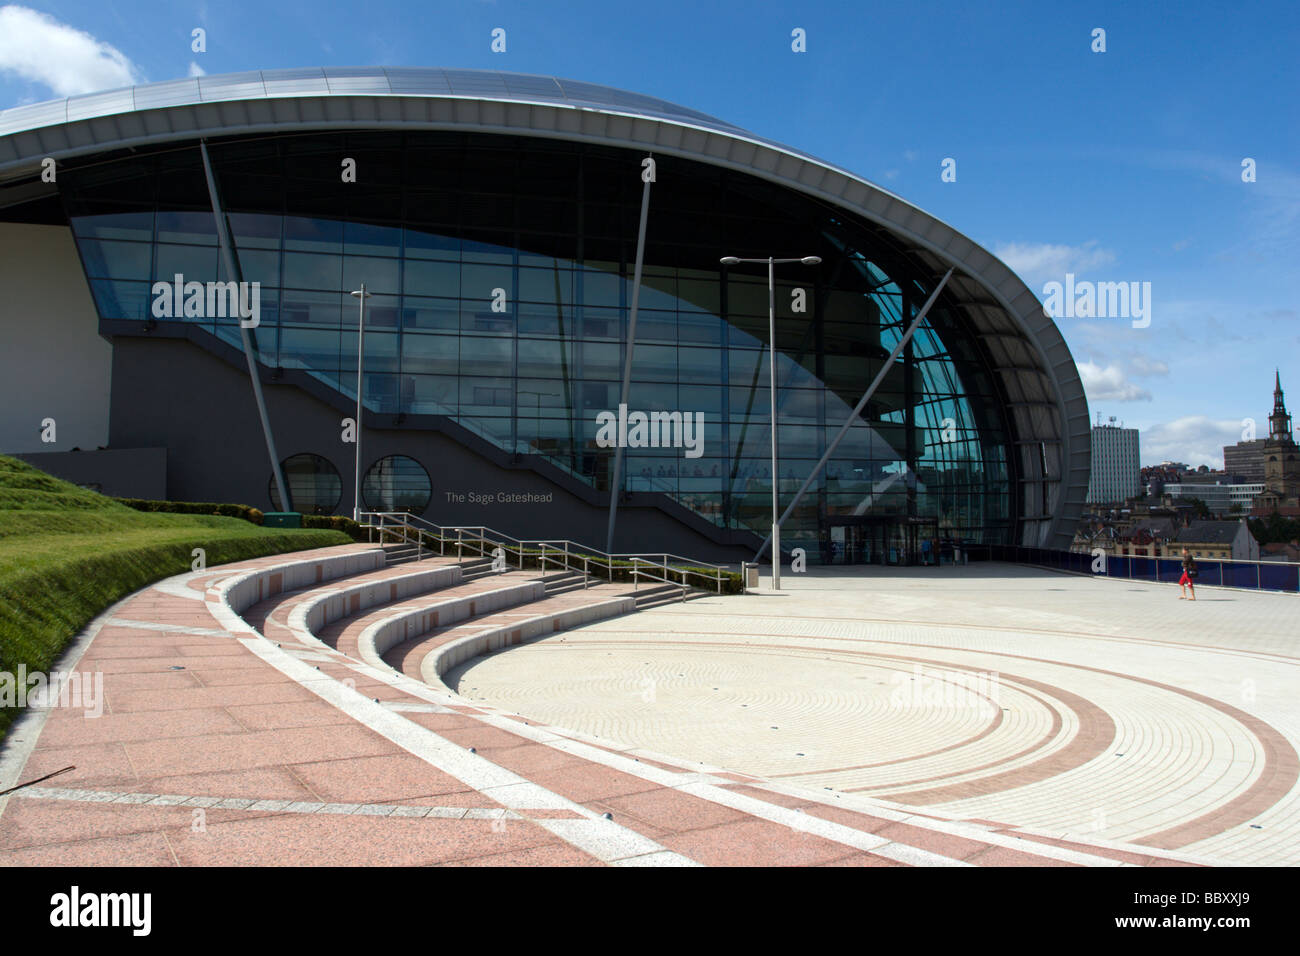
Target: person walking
1186	582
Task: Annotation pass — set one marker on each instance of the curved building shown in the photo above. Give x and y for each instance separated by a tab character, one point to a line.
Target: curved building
494	219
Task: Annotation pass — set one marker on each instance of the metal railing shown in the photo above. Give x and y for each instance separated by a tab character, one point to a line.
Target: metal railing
562	554
1214	572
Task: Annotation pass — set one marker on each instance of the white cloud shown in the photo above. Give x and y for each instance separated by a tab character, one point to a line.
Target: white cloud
1196	439
1140	364
196	70
1109	384
37	48
1041	262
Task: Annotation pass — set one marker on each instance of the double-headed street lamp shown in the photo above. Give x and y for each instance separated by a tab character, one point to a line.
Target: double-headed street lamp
771	338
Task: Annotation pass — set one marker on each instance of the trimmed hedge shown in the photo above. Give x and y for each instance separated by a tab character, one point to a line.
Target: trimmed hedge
336	523
325	522
194	508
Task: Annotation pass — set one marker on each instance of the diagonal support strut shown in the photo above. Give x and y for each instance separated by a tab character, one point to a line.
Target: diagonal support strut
857	410
250	350
617	478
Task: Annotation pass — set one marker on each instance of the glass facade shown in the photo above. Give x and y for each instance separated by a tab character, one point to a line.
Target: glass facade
314	484
500	270
396	483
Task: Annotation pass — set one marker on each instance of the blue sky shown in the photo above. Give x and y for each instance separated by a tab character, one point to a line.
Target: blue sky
1117	166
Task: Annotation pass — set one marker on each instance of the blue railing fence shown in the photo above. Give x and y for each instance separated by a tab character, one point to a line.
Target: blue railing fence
1255	575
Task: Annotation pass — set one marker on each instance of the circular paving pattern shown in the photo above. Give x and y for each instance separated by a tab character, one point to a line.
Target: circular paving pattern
1046	711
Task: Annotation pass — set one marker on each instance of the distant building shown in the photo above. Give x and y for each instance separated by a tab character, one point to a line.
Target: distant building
1116	474
1280	551
1222	540
1221	498
1246	458
1207	476
1281	458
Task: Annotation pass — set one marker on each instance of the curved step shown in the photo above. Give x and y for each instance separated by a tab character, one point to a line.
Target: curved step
444	657
383	635
311	615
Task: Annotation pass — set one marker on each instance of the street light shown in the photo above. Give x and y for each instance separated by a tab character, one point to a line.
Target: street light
361	295
771	338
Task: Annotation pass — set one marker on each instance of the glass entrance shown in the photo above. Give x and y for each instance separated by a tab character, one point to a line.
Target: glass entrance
880	539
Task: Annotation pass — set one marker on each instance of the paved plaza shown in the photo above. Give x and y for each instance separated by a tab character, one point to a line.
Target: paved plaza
322	708
1072	704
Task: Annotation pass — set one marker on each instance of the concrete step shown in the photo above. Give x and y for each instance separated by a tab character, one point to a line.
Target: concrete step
657	595
562	581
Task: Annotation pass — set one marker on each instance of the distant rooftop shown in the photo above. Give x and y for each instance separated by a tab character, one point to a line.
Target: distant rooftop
1209	532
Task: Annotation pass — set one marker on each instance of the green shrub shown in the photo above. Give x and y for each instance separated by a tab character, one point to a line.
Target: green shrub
336	523
222	509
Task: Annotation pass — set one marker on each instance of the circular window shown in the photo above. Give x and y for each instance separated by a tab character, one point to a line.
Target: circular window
314	485
396	483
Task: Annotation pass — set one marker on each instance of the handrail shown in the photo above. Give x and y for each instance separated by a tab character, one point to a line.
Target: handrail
562	552
1167	564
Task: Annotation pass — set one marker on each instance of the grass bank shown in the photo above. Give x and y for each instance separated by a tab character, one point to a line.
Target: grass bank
67	553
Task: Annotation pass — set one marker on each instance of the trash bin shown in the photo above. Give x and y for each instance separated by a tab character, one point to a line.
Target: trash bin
282	519
751	576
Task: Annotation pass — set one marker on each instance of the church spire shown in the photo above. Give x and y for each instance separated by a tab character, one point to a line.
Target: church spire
1279	423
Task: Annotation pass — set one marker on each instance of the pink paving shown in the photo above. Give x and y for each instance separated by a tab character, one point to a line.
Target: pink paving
218	746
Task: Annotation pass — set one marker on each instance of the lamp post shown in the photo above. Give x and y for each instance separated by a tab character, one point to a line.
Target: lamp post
771	339
361	295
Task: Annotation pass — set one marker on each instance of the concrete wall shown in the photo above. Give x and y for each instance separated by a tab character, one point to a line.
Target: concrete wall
122	472
173	393
53	363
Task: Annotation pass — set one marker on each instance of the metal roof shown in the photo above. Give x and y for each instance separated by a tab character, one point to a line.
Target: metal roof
350	81
1045	397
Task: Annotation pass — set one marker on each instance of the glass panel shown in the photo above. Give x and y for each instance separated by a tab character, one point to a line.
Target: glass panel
396	483
310	348
426	245
314	485
117	225
117	260
189	227
313	235
367	240
431	278
311	308
255	231
430	313
260	265
305	271
122	300
486	356
430	354
379	275
194	263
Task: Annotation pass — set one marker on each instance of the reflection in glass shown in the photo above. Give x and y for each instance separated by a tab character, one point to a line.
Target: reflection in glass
501	272
396	483
314	485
